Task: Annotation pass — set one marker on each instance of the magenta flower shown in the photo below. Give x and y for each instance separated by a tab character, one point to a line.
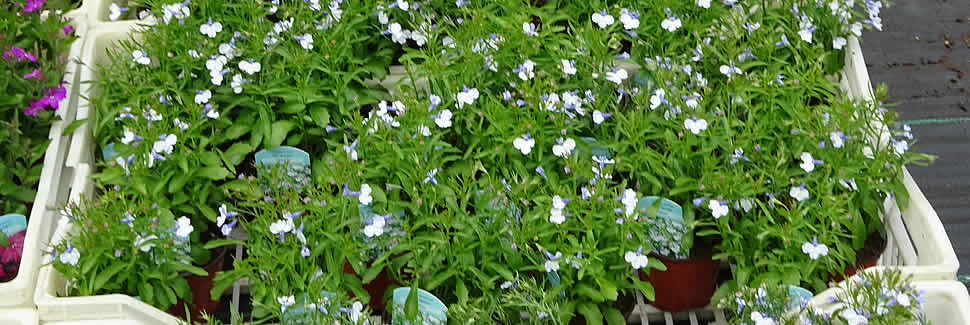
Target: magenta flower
53	98
14	252
68	29
19	54
33	5
32	74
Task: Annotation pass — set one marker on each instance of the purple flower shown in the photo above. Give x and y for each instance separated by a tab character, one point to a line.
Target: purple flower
19	54
32	74
541	171
33	5
67	29
305	252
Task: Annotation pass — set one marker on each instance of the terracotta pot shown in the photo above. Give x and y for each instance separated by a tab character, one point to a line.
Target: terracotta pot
375	288
866	257
686	284
201	286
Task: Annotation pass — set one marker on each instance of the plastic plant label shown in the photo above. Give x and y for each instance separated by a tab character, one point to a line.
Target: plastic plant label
496	204
555	281
431	311
297	164
13	223
797	295
664	225
392	233
645	80
598	151
108	152
298	312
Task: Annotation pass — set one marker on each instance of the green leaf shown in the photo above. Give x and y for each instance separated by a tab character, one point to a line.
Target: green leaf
237	153
188	268
147	292
292	108
608	289
210	158
213	172
614	316
587	291
372	273
411	305
223	281
645	288
222	242
107	274
591	312
69	130
320	115
278	133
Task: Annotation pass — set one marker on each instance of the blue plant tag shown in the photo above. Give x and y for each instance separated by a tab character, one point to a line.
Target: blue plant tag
645	80
597	150
431	311
13	223
297	164
797	295
108	152
393	231
665	229
555	281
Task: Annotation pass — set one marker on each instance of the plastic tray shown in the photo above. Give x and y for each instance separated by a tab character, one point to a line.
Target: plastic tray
52	305
947	301
51	193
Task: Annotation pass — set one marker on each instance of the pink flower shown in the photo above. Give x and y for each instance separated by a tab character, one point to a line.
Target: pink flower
14	252
53	98
33	5
19	54
68	29
32	74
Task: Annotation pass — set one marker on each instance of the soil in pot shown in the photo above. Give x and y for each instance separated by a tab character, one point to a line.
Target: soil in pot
376	288
687	283
202	302
865	257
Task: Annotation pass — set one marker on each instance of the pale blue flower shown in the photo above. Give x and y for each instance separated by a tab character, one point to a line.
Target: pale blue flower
430	177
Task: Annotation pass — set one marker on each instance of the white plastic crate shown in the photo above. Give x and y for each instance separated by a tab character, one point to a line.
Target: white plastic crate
98	12
23	316
947	301
50	192
50	296
917	242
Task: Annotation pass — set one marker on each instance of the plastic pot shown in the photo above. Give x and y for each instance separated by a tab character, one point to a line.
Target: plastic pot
201	286
686	284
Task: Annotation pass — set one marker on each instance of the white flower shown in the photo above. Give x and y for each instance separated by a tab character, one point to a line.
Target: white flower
598	117
529	29
903	299
900	146
212	113
867	151
617	75
229	50
838	139
706	4
552	266
849	184
140	57
129	137
746	204
568	67
468	95
114	12
524	144
760	319
556	216
183	227
808	162
152	115
526	70
211	29
250	67
672	23
375	228
285	302
695	125
729	70
143	244
718	210
282	226
403	5
443	119
814	249
365	198
181	125
630	20
176	10
799	193
852	318
70	256
857	29
564	148
424	130
236	84
306	41
203	96
216	63
839	42
398	34
636	259
419	37
165	144
603	19
657	98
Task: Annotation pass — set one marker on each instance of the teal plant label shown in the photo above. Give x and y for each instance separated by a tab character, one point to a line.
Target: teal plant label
108	152
13	223
304	306
392	232
555	281
645	80
797	295
597	151
664	225
431	311
297	162
496	204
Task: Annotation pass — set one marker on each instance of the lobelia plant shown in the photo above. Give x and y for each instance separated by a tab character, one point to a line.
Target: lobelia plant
123	243
34	40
